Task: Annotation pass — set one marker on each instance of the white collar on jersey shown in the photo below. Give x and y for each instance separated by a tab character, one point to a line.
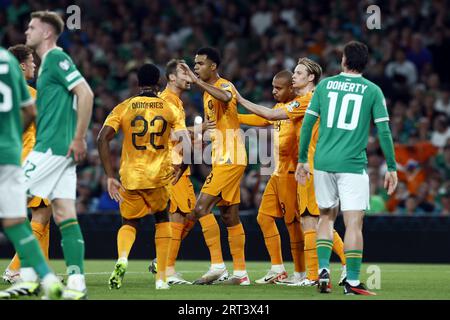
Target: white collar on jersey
354	75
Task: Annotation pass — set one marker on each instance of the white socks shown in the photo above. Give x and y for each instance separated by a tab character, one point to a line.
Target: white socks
278	268
76	282
28	275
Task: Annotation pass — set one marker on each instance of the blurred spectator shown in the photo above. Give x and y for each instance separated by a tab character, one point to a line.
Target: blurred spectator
441	131
400	70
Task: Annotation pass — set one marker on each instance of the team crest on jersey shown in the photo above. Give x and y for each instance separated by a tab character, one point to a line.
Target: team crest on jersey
294	104
65	65
225	85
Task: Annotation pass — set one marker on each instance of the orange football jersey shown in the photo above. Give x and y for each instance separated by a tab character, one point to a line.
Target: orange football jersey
296	111
146	122
29	136
227	141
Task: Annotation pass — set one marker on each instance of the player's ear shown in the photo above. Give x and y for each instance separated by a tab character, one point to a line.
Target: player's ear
172	77
311	77
213	66
22	66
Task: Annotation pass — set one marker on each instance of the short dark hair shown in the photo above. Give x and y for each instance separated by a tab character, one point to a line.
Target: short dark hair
52	18
148	75
211	53
21	52
356	55
171	67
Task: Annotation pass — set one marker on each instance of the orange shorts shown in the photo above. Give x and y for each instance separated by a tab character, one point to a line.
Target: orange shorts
36	202
280	198
139	203
225	181
307	198
182	196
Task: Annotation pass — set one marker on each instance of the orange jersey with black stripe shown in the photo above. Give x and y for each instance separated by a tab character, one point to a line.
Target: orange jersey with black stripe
296	111
227	140
170	96
146	122
29	136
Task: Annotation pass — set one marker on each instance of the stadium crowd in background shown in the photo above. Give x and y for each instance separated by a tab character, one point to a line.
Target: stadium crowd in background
257	39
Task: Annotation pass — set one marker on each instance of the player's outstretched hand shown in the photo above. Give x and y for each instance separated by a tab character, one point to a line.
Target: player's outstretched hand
191	77
79	149
114	187
302	173
178	172
210	124
390	181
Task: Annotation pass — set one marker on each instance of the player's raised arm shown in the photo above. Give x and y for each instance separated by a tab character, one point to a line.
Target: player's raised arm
85	100
266	113
219	94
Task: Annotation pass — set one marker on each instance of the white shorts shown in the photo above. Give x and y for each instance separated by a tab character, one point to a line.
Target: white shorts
13	200
49	176
351	189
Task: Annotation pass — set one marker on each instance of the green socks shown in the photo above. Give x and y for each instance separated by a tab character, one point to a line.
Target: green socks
354	260
27	247
73	246
324	249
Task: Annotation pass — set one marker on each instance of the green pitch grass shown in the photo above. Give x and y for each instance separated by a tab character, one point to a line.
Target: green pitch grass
398	281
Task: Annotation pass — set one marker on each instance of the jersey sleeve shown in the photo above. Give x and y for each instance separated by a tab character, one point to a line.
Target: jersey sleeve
253	120
64	70
228	86
177	122
296	109
379	109
314	105
114	118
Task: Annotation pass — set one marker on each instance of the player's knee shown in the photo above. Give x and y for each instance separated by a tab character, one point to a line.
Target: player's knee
263	220
199	211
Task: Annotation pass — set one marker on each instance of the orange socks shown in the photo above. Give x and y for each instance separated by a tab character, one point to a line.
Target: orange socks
177	230
42	234
236	240
338	247
271	237
211	233
311	259
125	240
297	245
163	236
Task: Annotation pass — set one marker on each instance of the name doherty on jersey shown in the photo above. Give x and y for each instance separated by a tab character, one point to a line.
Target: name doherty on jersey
145	105
347	86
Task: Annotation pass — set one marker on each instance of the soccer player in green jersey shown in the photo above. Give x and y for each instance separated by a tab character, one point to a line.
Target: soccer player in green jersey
17	108
345	103
64	105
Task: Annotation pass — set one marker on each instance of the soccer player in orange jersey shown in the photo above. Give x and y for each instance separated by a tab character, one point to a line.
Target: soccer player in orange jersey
306	75
146	170
182	196
40	208
280	196
229	159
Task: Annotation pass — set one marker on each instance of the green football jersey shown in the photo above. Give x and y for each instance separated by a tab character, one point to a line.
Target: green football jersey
13	95
345	104
56	104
